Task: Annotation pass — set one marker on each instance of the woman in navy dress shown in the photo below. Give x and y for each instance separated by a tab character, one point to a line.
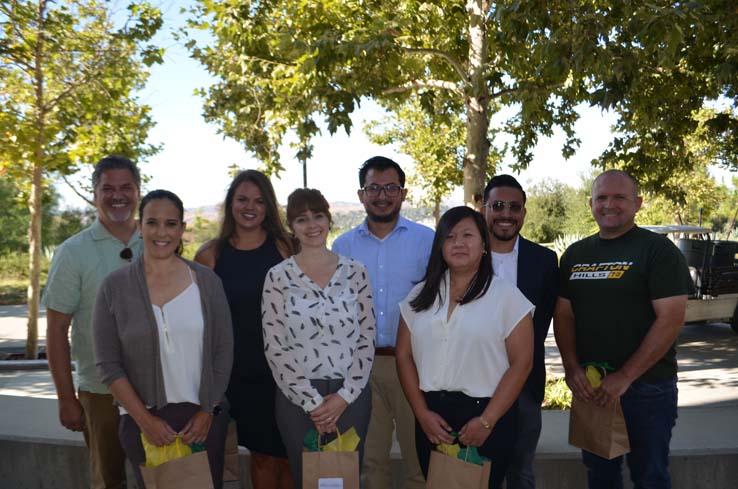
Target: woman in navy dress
252	239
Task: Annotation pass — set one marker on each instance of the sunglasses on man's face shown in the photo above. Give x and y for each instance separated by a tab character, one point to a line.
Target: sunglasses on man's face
499	206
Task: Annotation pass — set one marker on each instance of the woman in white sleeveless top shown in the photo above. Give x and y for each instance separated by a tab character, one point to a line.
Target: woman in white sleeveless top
464	346
163	341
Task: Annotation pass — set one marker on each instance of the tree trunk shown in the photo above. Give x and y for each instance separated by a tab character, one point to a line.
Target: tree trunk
34	253
437	211
37	191
477	103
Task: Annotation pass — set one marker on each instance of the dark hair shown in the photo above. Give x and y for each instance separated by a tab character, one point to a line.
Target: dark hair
437	266
115	162
273	224
380	163
304	199
503	181
160	194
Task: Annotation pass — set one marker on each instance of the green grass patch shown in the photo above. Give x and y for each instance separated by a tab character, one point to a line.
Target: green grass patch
557	394
13	292
14	276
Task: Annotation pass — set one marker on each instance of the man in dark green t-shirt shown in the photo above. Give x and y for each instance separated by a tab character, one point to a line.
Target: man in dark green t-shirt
622	299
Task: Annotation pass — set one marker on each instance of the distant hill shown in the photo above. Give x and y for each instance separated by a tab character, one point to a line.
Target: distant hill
345	214
207	212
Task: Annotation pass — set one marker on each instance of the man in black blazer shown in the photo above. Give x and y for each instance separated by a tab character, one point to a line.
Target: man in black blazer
534	269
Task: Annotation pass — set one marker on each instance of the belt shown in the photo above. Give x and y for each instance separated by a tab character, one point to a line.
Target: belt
385	351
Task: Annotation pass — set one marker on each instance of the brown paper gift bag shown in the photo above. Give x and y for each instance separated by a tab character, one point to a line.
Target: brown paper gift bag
190	472
231	467
447	472
599	430
330	470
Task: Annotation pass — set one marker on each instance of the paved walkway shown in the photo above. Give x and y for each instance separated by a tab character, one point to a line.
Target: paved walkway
707	354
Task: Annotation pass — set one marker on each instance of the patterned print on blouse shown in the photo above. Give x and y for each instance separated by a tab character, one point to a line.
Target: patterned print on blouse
314	333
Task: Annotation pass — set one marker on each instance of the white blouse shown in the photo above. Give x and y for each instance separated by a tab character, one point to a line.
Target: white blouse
314	333
181	327
466	352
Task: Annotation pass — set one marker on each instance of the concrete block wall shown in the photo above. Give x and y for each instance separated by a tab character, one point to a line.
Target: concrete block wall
38	465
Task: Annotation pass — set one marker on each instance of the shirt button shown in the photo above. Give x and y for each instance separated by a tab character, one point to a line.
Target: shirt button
381	266
381	313
381	290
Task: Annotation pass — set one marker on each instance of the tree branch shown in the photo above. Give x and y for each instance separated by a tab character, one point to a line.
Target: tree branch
413	84
74	189
522	86
22	66
84	78
505	92
455	64
269	61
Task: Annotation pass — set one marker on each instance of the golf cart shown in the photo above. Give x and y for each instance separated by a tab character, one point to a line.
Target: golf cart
714	271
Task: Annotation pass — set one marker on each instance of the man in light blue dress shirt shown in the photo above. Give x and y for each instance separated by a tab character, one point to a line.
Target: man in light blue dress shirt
395	252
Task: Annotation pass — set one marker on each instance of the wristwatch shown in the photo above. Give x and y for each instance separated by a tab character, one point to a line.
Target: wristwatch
216	410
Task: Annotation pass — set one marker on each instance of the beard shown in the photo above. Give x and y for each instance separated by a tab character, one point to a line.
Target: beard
504	237
385	217
118	215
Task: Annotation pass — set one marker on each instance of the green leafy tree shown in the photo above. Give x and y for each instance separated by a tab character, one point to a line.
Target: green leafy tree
659	66
579	219
546	211
555	210
280	65
15	217
68	82
434	139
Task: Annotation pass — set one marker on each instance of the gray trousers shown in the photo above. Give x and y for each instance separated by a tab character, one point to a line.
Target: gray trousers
294	423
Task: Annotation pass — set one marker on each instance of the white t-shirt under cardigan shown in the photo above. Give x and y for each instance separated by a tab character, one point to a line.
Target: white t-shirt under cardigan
467	352
314	333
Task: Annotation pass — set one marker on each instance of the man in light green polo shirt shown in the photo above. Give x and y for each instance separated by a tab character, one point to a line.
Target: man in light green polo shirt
79	266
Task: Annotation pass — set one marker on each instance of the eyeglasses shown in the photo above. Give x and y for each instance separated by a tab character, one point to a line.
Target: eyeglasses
390	190
126	253
499	206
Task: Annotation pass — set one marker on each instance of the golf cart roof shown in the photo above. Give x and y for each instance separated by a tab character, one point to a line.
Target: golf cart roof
675	228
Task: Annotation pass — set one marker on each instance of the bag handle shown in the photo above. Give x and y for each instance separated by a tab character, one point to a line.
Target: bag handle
320	437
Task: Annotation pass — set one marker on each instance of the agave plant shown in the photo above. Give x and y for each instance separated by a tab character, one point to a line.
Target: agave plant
561	243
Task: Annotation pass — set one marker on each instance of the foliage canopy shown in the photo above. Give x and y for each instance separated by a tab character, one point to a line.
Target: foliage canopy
68	81
657	65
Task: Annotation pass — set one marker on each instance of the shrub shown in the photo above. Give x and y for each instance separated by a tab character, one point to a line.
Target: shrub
557	394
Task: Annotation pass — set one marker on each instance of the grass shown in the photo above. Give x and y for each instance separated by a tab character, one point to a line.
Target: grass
14	277
557	394
13	291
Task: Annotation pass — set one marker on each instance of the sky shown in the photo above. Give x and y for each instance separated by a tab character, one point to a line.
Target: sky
194	160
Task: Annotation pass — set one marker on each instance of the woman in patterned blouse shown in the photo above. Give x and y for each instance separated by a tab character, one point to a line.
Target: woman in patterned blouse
318	323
